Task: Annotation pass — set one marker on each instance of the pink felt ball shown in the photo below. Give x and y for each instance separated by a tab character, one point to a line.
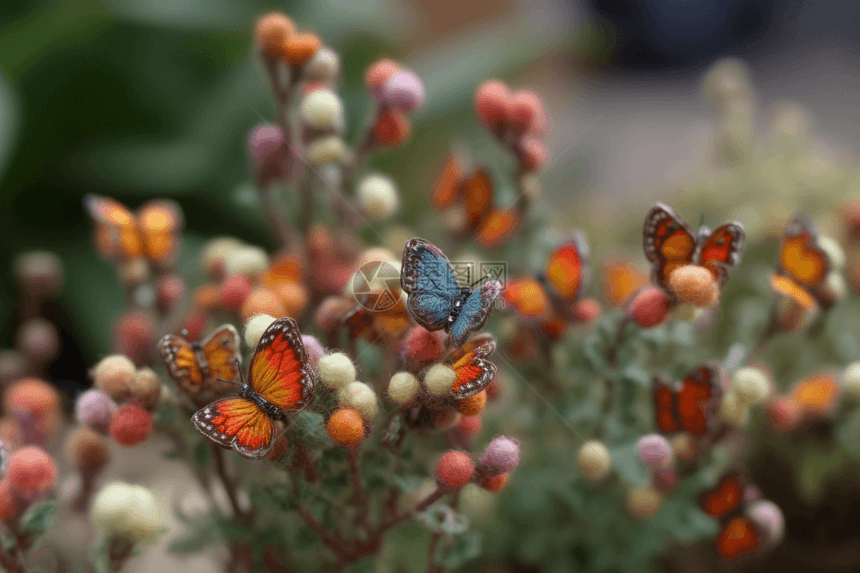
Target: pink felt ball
654	450
454	469
501	456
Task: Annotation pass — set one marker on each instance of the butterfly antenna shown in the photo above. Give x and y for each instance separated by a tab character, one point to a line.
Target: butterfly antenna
479	281
239	369
228	381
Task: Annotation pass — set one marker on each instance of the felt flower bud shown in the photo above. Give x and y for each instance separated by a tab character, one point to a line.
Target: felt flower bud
321	109
727	81
750	384
684	446
326	150
87	450
261	301
495	484
268	154
733	410
769	520
32	473
169	291
473	405
834	252
130	425
255	327
134	336
95	409
594	460
421	348
346	427
13	365
330	312
336	371
404	90
644	502
246	260
468	427
324	66
686	312
392	128
314	349
134	272
377	197
379	73
125	510
834	288
851	380
403	387
145	388
234	290
38	339
215	253
492	102
533	154
501	456
35	405
361	397
445	420
649	307
10	505
585	311
113	374
271	33
695	285
39	273
439	379
665	480
654	451
454	470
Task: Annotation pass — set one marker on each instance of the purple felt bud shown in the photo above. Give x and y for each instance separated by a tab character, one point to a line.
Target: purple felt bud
501	456
403	91
314	349
95	409
769	519
268	153
655	451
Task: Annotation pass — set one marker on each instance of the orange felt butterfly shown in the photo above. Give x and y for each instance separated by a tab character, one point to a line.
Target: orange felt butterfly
197	366
727	502
550	296
389	323
280	380
120	235
620	280
691	404
803	264
669	243
472	191
471	365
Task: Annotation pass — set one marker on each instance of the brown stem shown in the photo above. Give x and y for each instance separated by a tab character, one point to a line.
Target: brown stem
612	353
119	551
9	563
359	498
399	518
229	485
333	542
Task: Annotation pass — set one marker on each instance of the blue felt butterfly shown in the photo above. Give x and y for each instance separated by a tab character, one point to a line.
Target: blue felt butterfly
436	300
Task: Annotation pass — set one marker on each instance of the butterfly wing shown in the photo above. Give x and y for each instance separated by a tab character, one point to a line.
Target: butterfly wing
620	280
738	536
721	250
428	278
726	497
474	371
800	257
528	298
665	415
477	198
221	351
668	242
239	424
697	399
498	226
447	186
159	223
181	362
567	270
116	234
279	370
474	312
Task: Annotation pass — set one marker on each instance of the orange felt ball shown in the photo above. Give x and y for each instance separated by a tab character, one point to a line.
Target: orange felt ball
455	469
533	154
130	425
380	72
495	484
32	472
272	32
300	48
473	405
392	128
695	285
261	301
346	427
469	426
9	504
492	103
294	297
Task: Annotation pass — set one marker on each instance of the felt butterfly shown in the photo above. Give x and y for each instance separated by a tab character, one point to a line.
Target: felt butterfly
473	192
201	368
152	233
436	300
552	293
727	502
279	381
691	404
803	264
387	324
471	365
669	243
621	279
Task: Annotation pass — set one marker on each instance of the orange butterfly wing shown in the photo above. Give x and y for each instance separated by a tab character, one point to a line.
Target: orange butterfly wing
196	367
620	280
279	370
737	537
181	362
116	233
726	498
498	226
528	299
447	186
159	223
720	252
668	242
474	372
800	257
478	198
567	270
665	416
239	424
697	399
221	351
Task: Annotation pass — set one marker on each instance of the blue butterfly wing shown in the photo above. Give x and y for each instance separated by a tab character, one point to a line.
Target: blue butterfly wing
428	278
474	312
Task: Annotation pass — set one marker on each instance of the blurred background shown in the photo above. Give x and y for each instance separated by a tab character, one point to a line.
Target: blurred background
137	99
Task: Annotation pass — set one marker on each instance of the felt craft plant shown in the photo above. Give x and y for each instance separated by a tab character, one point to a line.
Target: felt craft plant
345	406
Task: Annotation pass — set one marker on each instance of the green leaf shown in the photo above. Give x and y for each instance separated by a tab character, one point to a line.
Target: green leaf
636	375
38	520
466	547
202	454
625	460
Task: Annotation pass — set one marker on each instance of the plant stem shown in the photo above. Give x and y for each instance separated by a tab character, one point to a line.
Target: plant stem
359	498
9	563
612	353
229	485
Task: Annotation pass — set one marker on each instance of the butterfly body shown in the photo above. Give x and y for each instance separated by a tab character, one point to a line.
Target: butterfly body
669	242
691	404
436	300
280	381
